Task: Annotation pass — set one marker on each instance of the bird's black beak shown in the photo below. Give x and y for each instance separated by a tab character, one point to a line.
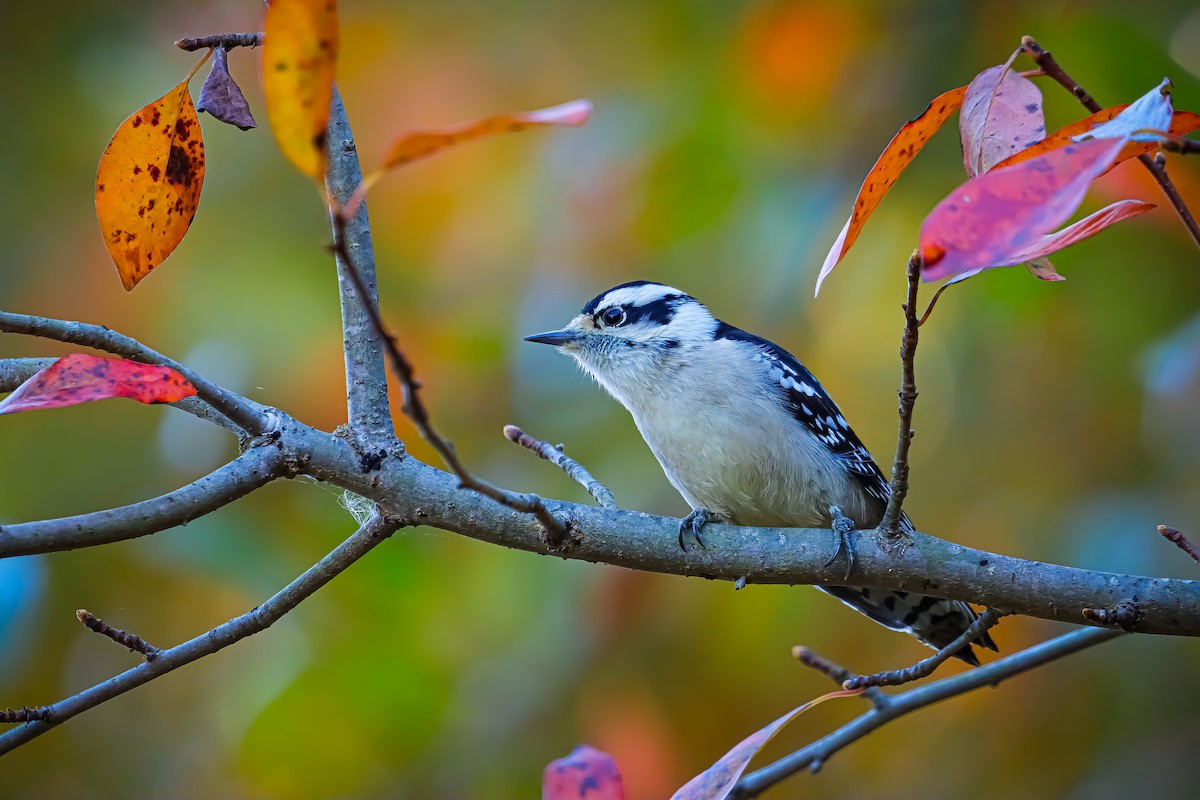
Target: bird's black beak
556	338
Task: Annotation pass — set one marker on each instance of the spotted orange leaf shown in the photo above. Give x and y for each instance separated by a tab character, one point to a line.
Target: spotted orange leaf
299	56
990	220
717	781
1182	123
585	774
82	378
900	151
148	184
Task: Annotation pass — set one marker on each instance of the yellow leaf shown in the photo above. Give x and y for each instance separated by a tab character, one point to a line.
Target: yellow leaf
148	183
300	44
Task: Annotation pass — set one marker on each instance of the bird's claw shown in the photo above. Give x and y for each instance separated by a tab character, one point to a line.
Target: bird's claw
842	526
693	523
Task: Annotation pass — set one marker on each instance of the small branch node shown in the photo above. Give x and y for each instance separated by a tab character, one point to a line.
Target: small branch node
836	673
132	641
1124	615
1179	540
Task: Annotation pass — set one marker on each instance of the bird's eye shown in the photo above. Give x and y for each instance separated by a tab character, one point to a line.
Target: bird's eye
613	317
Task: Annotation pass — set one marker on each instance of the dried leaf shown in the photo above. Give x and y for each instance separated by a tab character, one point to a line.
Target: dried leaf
422	144
1040	268
1001	115
299	56
1088	226
221	97
990	219
81	378
717	781
148	184
900	151
1182	123
585	774
1151	111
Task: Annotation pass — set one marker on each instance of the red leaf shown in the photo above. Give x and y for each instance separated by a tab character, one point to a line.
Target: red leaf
900	151
717	781
1088	226
989	219
1001	115
586	774
80	378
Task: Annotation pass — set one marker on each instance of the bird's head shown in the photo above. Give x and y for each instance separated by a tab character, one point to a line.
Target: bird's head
631	333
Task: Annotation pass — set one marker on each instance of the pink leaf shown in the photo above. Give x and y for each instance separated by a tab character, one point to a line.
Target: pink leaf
991	218
1001	115
1150	111
80	378
1088	226
717	781
586	774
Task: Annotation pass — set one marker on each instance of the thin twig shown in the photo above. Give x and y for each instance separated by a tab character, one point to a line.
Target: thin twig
1180	541
241	411
836	673
1055	71
132	641
414	409
925	667
558	458
226	40
908	398
253	469
991	674
220	637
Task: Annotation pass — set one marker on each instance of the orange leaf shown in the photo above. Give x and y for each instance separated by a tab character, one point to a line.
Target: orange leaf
1182	122
990	220
148	184
717	781
423	144
81	378
300	45
900	151
585	774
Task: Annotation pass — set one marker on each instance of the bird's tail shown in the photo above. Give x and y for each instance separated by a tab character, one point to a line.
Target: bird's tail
934	621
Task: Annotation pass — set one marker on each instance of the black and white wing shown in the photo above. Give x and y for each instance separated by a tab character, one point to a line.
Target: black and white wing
812	406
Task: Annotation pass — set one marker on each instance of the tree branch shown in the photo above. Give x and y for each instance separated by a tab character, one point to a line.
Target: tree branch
220	637
420	494
558	458
252	469
817	753
1156	169
238	409
366	375
926	666
908	399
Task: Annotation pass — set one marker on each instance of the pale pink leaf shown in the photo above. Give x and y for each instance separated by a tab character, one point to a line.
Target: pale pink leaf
1001	115
585	774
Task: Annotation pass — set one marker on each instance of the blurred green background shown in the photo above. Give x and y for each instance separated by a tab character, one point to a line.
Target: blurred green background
1056	421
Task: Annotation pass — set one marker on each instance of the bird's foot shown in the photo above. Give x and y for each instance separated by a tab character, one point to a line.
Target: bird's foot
842	526
694	522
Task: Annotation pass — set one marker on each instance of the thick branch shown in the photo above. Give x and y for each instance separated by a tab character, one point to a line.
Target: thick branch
366	375
220	637
815	754
420	494
254	468
238	409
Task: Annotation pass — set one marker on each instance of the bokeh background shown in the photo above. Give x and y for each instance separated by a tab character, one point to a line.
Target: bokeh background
1056	421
